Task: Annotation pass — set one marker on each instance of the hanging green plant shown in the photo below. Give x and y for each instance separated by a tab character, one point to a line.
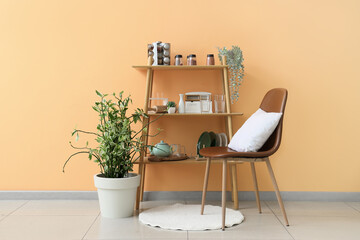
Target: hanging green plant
234	59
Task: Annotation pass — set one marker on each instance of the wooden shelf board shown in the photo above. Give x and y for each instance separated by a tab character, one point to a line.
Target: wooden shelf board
187	161
195	114
173	67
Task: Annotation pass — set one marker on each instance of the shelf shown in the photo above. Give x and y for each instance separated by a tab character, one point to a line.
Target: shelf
173	67
143	158
195	114
187	161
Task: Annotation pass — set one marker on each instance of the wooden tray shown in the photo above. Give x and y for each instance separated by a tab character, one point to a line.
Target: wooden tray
153	158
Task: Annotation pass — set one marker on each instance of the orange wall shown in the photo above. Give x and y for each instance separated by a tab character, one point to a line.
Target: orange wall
54	54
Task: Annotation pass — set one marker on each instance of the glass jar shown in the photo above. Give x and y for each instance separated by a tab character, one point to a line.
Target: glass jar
178	60
192	59
210	59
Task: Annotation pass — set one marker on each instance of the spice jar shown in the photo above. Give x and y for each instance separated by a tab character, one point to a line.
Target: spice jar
210	59
166	61
192	59
178	60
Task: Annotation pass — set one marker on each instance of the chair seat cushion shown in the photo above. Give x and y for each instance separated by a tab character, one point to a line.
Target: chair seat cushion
255	131
225	152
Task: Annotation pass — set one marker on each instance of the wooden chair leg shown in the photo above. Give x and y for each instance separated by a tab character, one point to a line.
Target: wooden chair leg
223	198
255	186
230	167
277	191
206	178
234	186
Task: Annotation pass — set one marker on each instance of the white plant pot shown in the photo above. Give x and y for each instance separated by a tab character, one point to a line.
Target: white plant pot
171	110
117	195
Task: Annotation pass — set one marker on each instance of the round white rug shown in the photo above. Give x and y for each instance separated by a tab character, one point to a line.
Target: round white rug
187	217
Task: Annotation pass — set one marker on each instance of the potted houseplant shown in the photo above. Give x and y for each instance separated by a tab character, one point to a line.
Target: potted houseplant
118	147
234	59
171	107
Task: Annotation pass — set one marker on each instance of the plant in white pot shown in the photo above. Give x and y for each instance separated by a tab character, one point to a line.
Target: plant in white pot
118	147
171	107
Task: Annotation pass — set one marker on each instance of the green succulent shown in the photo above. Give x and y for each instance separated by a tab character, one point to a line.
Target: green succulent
171	104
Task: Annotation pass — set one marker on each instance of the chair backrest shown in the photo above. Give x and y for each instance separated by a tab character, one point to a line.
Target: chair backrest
274	101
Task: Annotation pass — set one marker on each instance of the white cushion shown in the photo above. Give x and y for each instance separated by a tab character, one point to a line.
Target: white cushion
255	131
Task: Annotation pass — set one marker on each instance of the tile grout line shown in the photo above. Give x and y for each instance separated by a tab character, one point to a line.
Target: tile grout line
54	215
5	216
352	207
285	227
90	226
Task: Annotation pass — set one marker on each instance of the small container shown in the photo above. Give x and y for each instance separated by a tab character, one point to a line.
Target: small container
178	60
166	46
166	61
219	103
181	108
192	59
210	59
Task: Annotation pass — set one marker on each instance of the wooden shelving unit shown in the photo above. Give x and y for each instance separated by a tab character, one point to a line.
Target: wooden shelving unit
196	114
143	161
197	67
187	161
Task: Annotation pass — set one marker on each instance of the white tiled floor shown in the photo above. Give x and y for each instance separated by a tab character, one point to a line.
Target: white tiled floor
77	220
6	206
355	205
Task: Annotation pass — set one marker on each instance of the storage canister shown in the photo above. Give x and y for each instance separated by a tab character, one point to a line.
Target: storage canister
192	59
178	60
210	59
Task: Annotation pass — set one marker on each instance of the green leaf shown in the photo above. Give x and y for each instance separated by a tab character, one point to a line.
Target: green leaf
98	93
118	145
95	108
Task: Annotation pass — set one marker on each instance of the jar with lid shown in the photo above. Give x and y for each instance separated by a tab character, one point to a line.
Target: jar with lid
192	59
178	60
210	59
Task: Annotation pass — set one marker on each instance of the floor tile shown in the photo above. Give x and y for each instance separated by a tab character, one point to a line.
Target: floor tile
45	227
60	208
325	227
254	227
129	228
131	238
355	205
151	204
67	219
295	208
8	206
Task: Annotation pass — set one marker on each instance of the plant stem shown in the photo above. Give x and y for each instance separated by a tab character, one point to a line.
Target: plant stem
77	130
72	156
147	125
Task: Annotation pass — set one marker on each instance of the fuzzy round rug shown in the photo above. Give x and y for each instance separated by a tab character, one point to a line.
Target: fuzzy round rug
187	217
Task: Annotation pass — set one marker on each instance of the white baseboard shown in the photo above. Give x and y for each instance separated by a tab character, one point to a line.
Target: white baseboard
185	195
